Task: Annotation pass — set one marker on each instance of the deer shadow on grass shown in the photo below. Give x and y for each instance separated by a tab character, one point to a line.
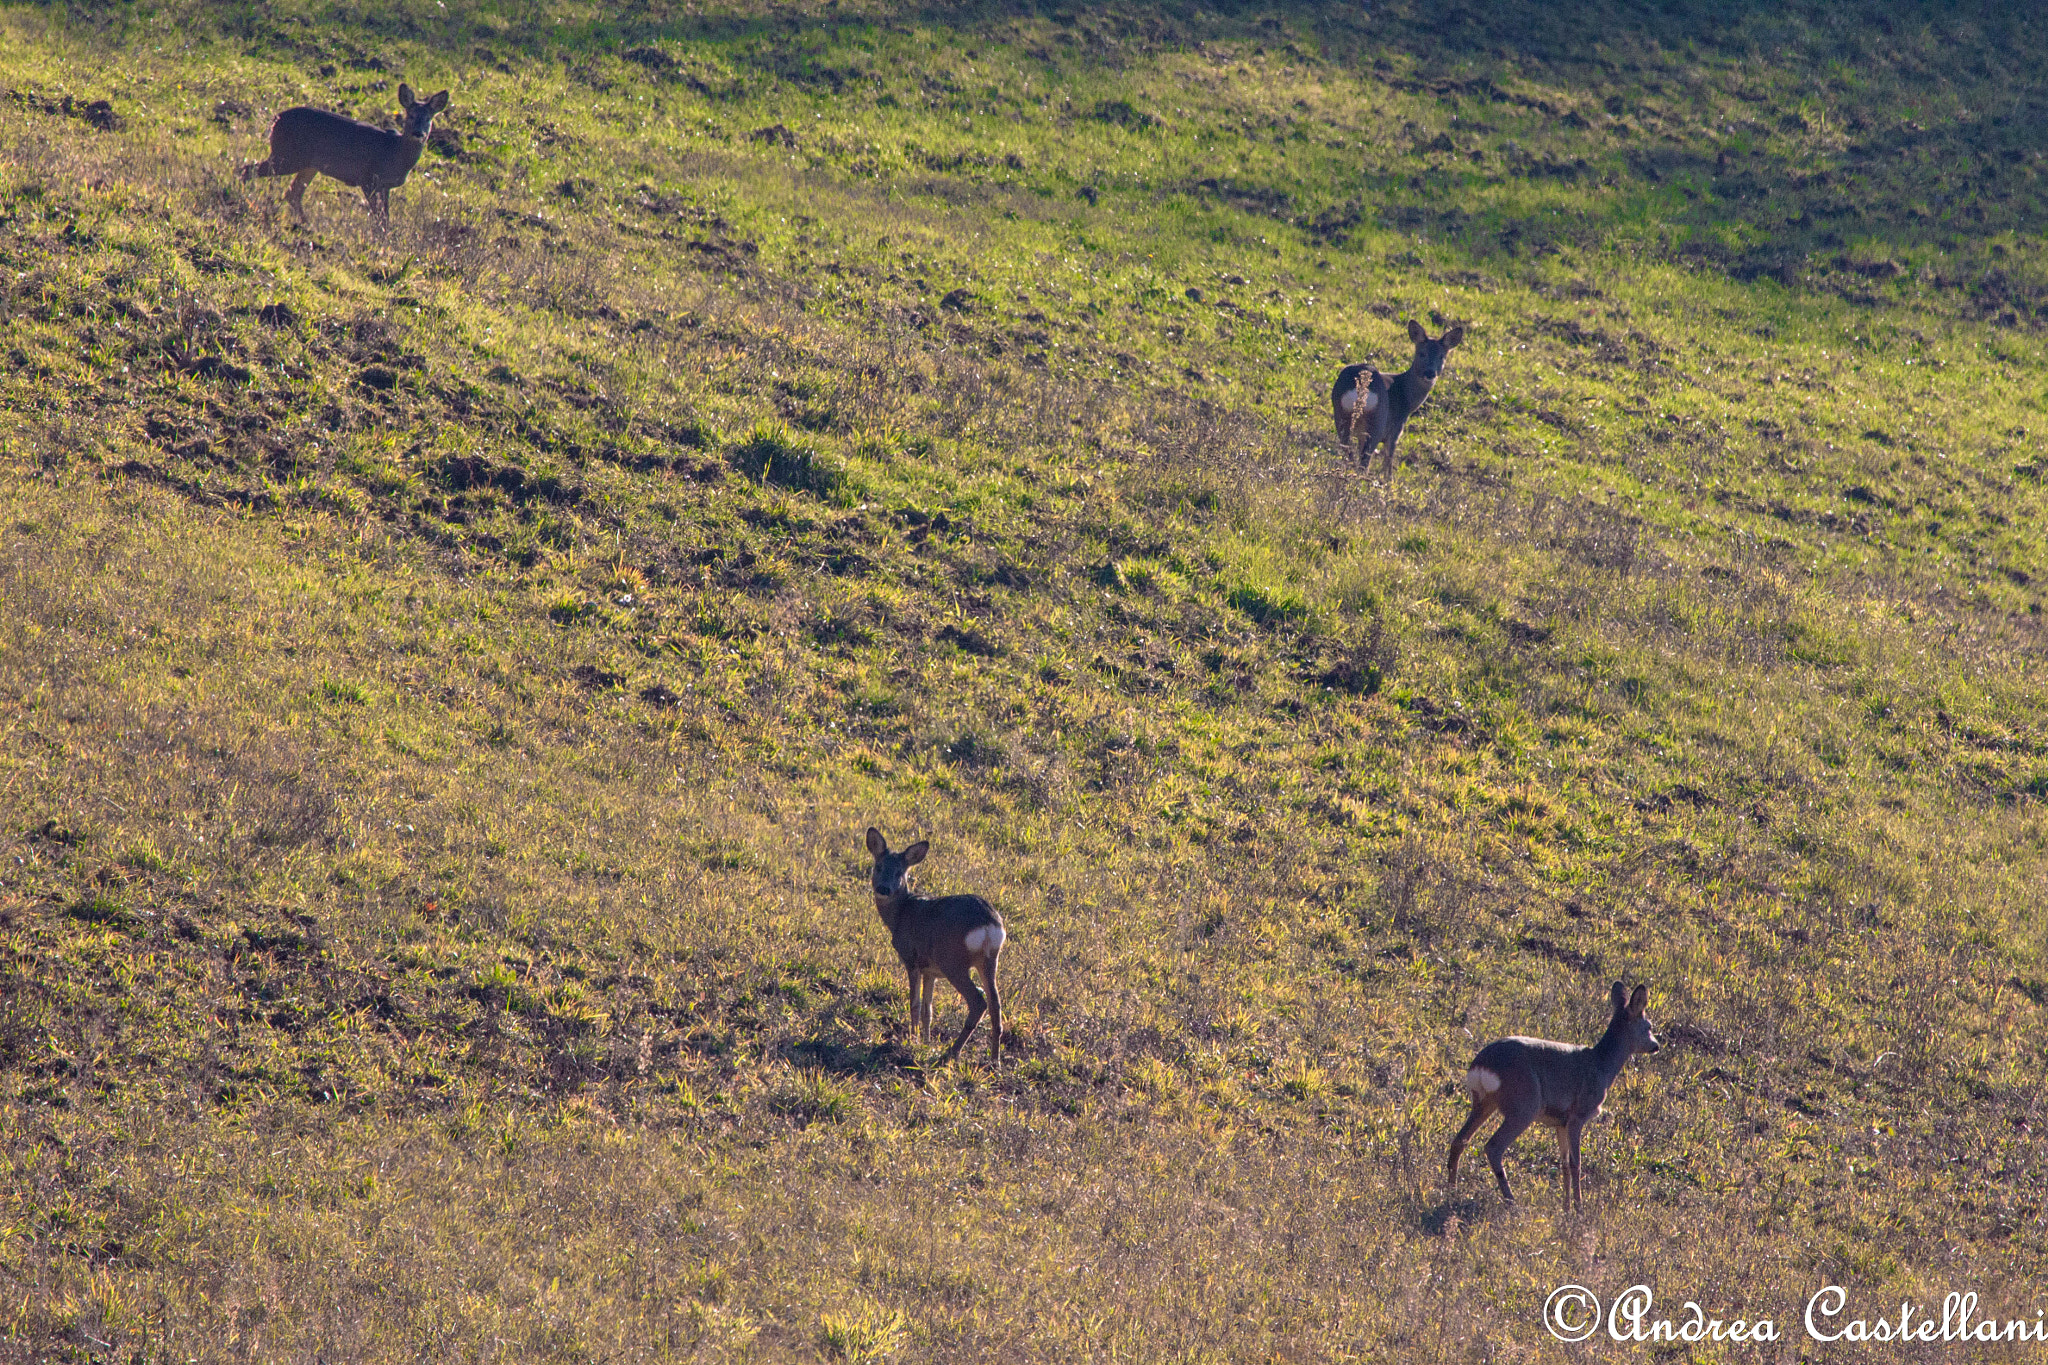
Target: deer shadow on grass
1449	1215
854	1057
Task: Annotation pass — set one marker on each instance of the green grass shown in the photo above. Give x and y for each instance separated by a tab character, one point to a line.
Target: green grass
445	674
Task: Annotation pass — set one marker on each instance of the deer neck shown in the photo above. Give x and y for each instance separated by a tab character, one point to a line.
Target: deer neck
890	908
1414	386
1610	1054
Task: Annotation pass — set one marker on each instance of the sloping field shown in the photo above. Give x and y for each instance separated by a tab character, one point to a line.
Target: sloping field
446	672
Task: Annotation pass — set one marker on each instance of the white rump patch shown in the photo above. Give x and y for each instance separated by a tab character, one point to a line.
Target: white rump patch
1481	1081
1350	400
988	938
1372	400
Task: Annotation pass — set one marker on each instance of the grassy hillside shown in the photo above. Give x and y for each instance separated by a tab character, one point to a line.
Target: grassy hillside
446	671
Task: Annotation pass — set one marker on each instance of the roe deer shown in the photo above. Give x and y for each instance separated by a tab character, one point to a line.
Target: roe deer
305	141
1357	394
937	935
1383	421
1531	1080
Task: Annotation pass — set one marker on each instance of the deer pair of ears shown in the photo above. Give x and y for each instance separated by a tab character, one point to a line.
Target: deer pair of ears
1631	1005
878	846
1449	339
435	103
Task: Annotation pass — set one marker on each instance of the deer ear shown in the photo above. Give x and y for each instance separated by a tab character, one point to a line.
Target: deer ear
438	102
1415	332
1639	1002
877	845
1620	997
1453	337
915	853
405	99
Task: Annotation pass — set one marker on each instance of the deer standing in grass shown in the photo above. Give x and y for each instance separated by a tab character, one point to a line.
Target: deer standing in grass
939	935
306	141
1373	409
1533	1080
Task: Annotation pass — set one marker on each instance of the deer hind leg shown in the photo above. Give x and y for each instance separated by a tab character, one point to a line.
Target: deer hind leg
995	1009
977	1005
296	195
1513	1123
1481	1110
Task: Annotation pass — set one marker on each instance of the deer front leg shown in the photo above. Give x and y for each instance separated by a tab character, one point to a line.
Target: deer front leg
296	195
1393	436
1512	1126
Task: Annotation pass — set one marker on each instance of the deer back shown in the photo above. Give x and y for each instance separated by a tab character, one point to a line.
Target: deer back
1563	1079
939	930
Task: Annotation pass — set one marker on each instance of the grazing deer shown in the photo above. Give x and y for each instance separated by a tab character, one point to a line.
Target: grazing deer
1531	1080
1357	394
939	935
1385	416
305	141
